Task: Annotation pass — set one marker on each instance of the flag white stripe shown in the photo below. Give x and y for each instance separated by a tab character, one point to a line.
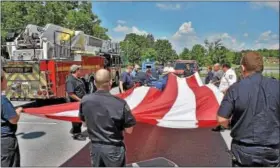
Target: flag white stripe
133	100
72	113
198	79
183	109
218	94
137	96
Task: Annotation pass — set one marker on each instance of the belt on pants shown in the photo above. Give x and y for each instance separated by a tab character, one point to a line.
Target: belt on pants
108	143
252	145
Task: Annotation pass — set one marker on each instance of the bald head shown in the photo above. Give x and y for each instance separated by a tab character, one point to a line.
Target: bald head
103	79
217	67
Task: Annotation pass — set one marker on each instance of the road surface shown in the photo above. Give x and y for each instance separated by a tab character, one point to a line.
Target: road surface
45	142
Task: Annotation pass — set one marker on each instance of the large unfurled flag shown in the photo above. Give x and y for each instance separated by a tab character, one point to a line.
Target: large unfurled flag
184	103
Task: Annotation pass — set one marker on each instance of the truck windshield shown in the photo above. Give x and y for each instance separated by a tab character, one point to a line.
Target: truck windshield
182	66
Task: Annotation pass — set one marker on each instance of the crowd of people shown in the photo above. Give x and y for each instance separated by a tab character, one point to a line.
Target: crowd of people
250	108
222	77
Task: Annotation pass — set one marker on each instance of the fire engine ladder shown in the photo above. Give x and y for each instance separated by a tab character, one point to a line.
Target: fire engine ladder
49	84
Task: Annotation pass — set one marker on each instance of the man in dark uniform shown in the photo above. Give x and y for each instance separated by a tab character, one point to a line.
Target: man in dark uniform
217	75
75	89
251	108
126	81
188	72
106	123
10	155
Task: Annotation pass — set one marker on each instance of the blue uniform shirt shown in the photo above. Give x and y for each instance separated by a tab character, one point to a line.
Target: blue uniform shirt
161	83
7	112
133	73
209	77
126	78
253	106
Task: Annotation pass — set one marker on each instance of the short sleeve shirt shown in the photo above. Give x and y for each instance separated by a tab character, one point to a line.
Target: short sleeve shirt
108	119
228	79
253	107
127	80
217	76
76	86
7	112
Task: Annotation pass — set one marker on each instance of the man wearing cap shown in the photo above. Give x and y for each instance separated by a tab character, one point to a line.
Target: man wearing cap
76	90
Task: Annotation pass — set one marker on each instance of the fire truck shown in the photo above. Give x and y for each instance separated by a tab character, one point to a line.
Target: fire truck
38	61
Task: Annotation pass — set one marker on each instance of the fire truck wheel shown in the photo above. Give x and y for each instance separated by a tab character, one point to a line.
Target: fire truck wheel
91	86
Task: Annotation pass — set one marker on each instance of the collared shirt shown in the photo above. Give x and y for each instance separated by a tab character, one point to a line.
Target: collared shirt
217	77
134	73
126	78
228	79
106	117
7	112
254	108
209	77
76	86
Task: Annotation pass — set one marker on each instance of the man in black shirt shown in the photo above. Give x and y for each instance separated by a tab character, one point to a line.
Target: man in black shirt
10	155
251	107
75	89
106	117
188	72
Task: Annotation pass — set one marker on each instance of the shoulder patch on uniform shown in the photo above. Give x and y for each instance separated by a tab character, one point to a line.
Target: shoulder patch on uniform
230	76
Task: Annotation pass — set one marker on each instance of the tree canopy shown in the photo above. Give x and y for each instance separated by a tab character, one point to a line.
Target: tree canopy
76	15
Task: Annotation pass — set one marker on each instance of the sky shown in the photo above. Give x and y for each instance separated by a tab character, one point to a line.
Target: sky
240	25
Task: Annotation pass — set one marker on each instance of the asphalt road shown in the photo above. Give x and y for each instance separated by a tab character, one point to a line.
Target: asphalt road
45	142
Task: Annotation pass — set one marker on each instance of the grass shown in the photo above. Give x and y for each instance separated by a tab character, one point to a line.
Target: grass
271	74
274	75
270	65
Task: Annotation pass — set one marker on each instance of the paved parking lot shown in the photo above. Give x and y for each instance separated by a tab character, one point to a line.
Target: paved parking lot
46	142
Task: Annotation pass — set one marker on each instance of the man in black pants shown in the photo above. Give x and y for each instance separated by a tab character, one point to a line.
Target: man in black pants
10	155
251	107
106	122
76	90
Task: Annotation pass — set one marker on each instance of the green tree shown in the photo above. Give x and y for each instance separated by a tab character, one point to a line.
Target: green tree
69	14
230	57
149	53
185	55
174	55
150	40
198	53
164	51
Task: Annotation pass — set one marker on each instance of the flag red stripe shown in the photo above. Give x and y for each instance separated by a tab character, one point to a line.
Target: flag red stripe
53	108
206	104
156	107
